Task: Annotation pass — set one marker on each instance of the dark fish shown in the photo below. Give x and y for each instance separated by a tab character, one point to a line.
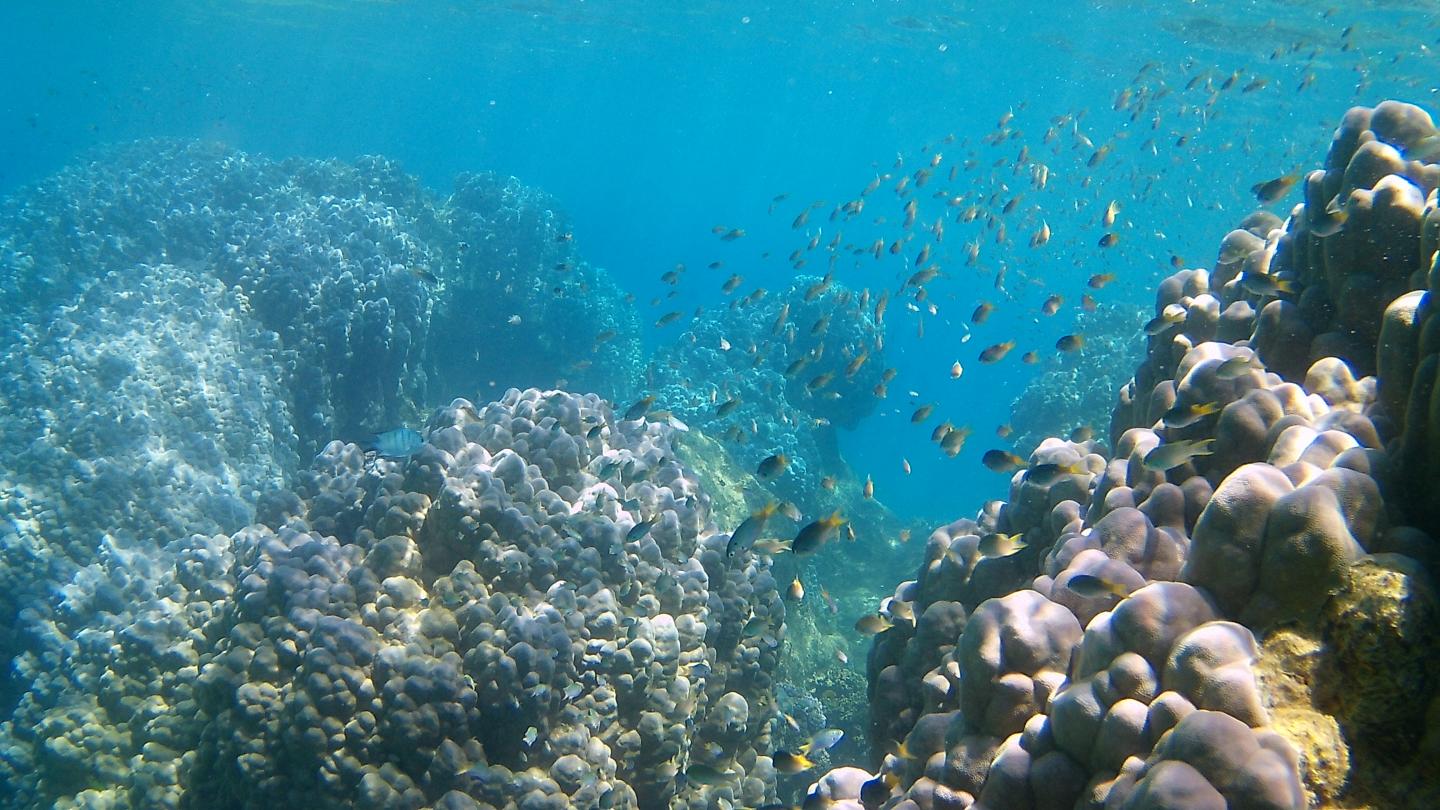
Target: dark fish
1091	586
790	763
814	535
1070	343
1265	284
397	443
706	775
1183	416
641	529
1109	240
1237	367
874	793
773	466
872	624
727	407
639	409
1002	461
1047	474
982	312
997	352
1272	190
749	530
921	413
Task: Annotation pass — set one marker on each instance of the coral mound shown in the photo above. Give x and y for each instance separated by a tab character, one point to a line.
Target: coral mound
1232	607
534	610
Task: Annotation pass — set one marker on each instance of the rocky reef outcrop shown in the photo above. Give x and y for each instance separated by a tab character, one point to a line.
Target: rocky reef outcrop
534	610
1234	606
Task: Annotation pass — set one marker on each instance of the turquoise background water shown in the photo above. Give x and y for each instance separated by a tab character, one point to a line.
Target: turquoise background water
652	122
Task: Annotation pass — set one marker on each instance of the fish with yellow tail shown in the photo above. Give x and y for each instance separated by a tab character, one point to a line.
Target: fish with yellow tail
1185	415
815	534
1091	586
749	530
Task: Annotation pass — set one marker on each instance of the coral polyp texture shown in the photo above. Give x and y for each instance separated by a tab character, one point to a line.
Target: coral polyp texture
1234	606
534	610
187	322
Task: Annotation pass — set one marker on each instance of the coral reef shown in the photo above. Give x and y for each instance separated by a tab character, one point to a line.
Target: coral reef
1248	563
186	321
533	610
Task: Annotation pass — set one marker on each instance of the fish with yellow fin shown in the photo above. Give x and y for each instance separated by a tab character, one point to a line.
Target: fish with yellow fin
1091	586
815	534
1185	415
872	624
1271	191
749	530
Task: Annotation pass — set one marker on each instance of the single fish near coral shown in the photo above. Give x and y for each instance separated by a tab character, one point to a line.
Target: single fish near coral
1185	415
706	775
874	793
398	443
772	546
815	534
796	591
1170	455
1070	343
1046	474
1002	461
997	544
1264	284
639	409
822	740
1238	366
1271	191
641	529
872	624
1171	315
773	466
749	530
791	763
1091	586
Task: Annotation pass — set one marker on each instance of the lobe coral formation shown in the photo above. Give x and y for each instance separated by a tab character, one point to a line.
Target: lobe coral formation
1234	607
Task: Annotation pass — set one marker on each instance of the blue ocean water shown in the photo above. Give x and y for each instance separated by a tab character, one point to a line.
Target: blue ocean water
651	124
658	128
